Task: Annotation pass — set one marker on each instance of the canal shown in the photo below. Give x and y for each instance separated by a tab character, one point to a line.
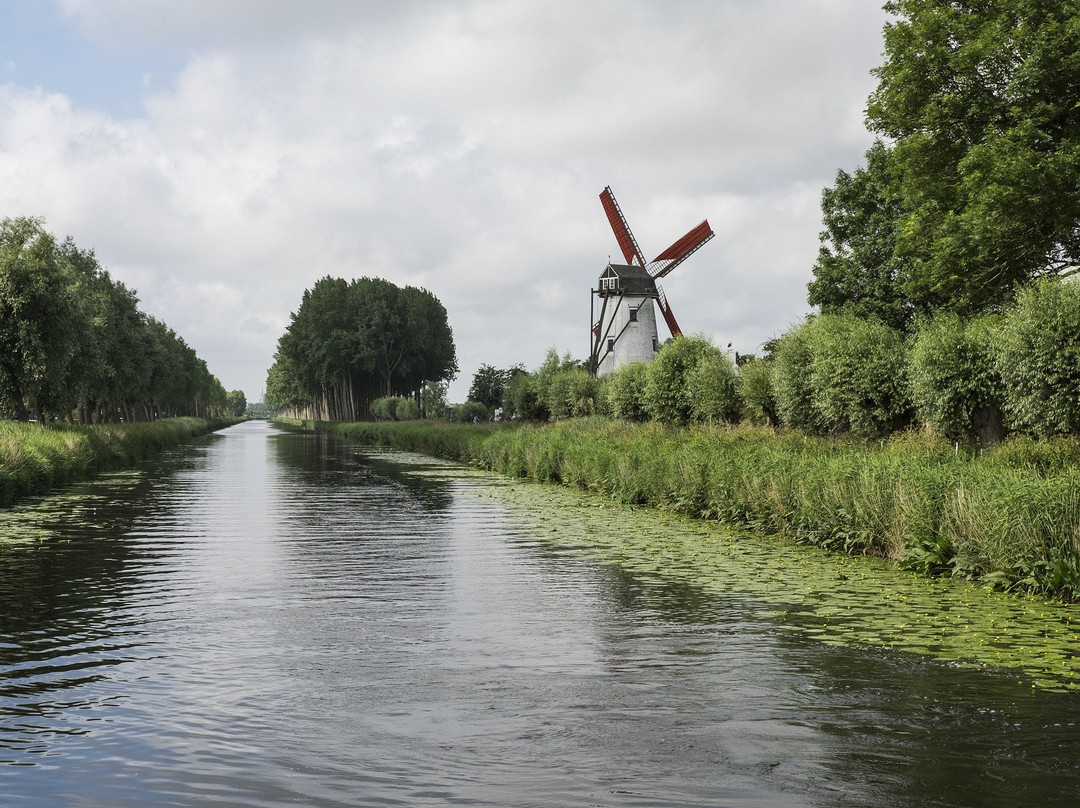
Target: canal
274	618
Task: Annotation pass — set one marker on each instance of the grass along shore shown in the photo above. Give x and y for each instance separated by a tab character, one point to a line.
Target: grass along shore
35	458
1010	517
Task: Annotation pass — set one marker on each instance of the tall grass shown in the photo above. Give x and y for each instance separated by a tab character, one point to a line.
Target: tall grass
35	458
1010	517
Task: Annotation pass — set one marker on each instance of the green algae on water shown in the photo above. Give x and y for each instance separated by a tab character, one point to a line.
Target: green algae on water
853	601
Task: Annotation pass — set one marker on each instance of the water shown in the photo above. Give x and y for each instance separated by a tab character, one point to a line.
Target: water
276	619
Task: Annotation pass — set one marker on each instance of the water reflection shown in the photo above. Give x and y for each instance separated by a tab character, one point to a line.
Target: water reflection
276	618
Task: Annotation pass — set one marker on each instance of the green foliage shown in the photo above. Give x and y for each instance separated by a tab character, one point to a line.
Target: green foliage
713	386
978	100
406	410
667	391
353	341
489	384
857	271
840	373
236	403
386	408
955	385
433	399
1039	360
471	412
756	390
571	392
859	375
522	400
792	363
72	340
624	391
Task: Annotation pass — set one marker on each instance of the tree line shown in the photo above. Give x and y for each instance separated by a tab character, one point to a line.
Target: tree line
74	345
352	342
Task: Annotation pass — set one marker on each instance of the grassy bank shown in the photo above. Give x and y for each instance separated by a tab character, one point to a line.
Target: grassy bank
1010	517
35	458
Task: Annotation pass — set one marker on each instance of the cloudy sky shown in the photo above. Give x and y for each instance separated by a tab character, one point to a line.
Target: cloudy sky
222	155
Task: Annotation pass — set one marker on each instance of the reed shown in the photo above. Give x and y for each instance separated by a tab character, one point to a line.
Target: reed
35	458
1010	517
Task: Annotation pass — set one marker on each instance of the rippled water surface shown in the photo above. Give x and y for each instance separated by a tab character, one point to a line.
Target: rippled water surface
274	618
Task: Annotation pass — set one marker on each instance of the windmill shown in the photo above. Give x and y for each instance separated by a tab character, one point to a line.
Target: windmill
626	328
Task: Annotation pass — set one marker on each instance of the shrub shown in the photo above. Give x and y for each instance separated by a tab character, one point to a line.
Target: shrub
521	398
756	389
955	386
571	392
858	375
713	386
384	408
471	410
405	409
1039	360
792	361
840	373
667	395
625	392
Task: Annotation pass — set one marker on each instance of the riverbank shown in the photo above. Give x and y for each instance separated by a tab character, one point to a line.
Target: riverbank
35	459
1009	518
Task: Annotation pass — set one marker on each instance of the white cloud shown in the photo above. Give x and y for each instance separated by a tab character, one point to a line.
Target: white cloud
458	146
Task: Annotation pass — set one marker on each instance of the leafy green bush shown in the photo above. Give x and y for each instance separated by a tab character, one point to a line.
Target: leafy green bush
521	398
571	392
955	385
792	363
405	409
471	411
625	392
384	408
1039	361
859	375
841	373
713	386
667	394
756	389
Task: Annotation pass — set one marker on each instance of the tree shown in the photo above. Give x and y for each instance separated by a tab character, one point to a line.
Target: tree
433	399
489	385
236	403
39	320
979	101
351	342
857	271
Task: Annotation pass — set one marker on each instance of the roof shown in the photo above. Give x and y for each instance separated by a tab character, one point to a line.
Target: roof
633	280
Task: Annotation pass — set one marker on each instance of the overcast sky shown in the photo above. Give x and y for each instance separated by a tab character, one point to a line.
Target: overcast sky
222	155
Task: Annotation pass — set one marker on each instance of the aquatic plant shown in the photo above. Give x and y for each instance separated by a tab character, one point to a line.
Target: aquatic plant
1009	517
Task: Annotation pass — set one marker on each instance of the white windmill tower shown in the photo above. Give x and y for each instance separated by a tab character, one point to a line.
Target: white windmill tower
625	331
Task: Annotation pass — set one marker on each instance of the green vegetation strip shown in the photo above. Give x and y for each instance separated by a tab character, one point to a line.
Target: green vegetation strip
35	458
806	591
1010	518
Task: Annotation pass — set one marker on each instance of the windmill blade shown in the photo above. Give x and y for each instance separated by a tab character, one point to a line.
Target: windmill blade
665	309
680	250
627	243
